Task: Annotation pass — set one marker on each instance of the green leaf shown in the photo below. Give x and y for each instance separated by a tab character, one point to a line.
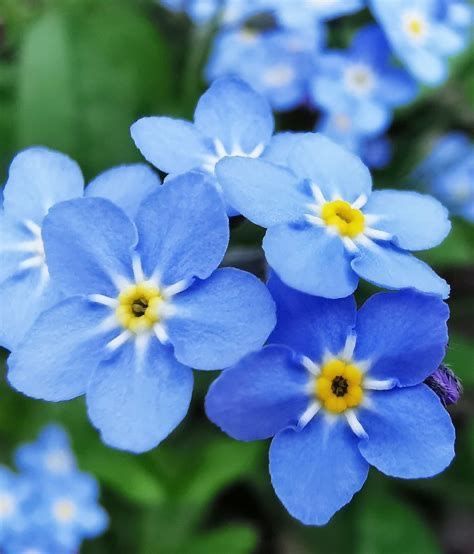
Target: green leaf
388	526
456	250
232	539
459	357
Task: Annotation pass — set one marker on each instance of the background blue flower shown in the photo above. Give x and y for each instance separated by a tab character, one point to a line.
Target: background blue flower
320	455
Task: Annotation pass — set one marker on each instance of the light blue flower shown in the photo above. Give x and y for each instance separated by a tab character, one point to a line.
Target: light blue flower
448	173
362	82
143	304
325	226
38	179
339	391
277	63
424	33
230	120
13	493
202	11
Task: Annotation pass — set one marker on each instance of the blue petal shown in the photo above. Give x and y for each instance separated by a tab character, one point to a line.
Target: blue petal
332	168
172	145
61	350
417	221
308	324
317	470
259	396
372	117
235	114
88	246
265	193
126	186
22	298
311	260
280	147
410	434
38	179
221	319
13	236
183	229
403	334
391	268
136	398
396	87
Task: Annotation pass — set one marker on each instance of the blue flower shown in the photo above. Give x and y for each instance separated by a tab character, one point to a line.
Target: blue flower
38	179
202	11
362	82
230	120
143	303
326	228
340	390
13	493
277	63
424	33
448	173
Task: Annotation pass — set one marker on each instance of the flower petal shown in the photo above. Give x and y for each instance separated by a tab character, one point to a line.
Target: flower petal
329	166
391	268
410	434
235	114
57	356
183	229
265	193
126	186
317	470
136	398
88	246
260	395
172	145
403	334
280	147
221	319
310	259
310	325
417	221
13	236
39	178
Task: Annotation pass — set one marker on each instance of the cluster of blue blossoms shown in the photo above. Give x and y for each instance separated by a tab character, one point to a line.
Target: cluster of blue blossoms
280	48
49	507
114	292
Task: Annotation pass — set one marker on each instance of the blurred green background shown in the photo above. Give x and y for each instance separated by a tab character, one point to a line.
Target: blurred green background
74	74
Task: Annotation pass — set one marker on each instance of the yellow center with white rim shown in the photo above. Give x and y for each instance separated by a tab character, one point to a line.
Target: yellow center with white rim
415	25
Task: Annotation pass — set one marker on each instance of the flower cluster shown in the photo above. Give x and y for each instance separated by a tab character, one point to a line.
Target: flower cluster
280	48
49	506
119	296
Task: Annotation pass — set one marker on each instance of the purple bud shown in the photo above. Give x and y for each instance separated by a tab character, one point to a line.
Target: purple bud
445	384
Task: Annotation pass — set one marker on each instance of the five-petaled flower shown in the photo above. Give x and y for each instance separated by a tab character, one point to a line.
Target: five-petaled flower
143	304
340	390
326	228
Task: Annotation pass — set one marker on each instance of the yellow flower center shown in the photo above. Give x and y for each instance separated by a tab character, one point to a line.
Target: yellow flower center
339	386
138	307
348	221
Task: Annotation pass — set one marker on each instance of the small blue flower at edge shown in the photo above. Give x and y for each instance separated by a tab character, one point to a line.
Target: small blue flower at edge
143	304
340	390
325	226
38	179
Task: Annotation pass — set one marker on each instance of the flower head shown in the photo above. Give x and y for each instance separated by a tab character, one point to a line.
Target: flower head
325	226
142	305
339	391
38	179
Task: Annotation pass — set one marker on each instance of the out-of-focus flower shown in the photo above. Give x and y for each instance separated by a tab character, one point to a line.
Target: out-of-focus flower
325	226
362	82
339	391
445	384
48	508
425	33
143	304
230	119
448	173
277	63
38	179
202	11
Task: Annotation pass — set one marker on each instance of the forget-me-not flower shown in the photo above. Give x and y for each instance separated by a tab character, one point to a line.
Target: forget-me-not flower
230	119
38	179
229	12
423	34
362	81
325	226
13	493
448	173
339	391
143	304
